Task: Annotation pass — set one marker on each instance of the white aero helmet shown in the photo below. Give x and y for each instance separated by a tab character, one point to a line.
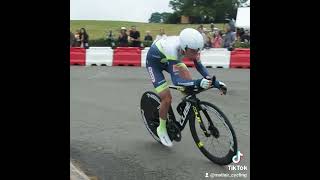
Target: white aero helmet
191	38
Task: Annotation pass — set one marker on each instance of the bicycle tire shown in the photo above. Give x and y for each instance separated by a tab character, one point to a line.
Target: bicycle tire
225	160
149	104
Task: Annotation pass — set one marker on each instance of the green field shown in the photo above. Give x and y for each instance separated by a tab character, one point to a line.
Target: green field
99	29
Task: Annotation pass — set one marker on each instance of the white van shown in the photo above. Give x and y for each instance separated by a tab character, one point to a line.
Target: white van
243	18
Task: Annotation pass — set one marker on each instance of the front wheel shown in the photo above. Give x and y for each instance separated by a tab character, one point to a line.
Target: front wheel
213	133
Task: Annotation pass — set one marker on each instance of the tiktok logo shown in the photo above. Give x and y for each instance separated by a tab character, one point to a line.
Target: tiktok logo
237	157
207	174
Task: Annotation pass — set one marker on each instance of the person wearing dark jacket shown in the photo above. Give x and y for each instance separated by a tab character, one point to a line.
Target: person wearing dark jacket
148	39
134	37
71	39
123	37
84	38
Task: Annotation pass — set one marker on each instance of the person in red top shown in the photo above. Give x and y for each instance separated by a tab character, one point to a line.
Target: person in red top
217	40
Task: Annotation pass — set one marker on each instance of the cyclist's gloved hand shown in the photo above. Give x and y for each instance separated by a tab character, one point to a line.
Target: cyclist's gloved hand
223	88
208	77
205	83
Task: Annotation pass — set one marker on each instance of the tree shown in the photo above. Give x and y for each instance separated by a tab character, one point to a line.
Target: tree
155	18
206	9
165	16
173	18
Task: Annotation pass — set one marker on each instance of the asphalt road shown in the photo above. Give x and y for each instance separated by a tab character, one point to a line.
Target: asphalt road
109	140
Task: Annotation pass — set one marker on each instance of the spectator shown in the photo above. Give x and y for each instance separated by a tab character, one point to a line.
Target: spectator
241	33
217	40
134	37
71	39
201	28
212	27
123	37
238	33
229	38
84	38
77	41
232	25
148	39
161	35
206	38
245	37
110	39
213	32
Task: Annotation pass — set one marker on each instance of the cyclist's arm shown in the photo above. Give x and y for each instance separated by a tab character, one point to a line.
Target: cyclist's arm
177	80
201	69
204	72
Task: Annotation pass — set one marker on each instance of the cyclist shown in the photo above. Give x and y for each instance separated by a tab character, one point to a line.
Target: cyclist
167	54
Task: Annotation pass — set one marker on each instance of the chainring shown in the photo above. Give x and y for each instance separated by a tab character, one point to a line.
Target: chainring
173	131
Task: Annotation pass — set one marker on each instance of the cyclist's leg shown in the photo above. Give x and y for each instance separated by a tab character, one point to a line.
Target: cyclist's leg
166	100
165	104
155	69
161	88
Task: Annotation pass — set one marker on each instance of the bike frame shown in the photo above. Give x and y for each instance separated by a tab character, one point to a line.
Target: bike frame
195	105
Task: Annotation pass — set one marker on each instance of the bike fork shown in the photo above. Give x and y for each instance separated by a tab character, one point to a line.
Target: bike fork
199	119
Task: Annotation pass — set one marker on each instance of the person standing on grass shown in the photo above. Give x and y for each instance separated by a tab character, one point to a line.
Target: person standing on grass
230	38
217	40
110	39
134	37
245	36
71	39
212	27
77	41
207	38
148	39
123	37
161	35
84	38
